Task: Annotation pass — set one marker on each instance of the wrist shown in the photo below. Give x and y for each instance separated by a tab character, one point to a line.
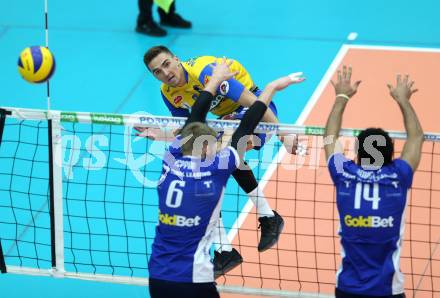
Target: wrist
342	96
402	101
212	85
211	89
216	81
340	103
270	88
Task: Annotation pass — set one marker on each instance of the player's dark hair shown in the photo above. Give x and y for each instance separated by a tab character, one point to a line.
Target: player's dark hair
195	130
374	137
153	52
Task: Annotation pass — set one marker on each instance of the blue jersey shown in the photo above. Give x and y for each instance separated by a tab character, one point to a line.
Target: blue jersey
190	196
371	205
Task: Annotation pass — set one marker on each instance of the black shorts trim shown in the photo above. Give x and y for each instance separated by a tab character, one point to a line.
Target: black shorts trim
160	288
342	294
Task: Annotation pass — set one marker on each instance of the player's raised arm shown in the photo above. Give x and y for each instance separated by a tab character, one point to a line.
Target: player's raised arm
255	113
247	98
402	93
200	109
344	90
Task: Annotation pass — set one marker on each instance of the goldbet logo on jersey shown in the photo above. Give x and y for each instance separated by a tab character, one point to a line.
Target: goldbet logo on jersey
368	222
179	220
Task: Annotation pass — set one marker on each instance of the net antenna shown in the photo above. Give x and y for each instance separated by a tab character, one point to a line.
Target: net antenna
46	24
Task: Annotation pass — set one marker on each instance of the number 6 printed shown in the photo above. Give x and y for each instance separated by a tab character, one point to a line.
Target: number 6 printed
175	192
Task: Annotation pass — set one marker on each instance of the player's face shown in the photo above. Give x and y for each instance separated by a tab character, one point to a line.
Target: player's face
167	69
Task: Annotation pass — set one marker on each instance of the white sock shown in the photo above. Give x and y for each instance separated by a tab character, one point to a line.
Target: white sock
260	202
221	240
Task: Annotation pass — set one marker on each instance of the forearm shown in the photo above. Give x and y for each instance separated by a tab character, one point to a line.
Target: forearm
247	98
334	121
411	121
270	117
200	108
247	125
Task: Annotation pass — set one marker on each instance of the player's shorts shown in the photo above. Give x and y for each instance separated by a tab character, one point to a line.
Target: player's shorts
341	294
239	113
166	289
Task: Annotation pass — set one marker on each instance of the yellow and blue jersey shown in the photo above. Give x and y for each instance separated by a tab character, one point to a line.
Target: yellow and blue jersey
371	205
198	71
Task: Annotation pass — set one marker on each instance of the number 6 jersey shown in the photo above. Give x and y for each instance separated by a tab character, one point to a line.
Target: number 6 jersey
190	196
371	205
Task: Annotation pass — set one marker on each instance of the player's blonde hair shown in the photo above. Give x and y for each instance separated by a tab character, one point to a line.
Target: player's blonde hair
195	131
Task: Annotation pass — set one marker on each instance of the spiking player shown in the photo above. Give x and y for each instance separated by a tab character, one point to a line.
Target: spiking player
182	82
190	192
371	196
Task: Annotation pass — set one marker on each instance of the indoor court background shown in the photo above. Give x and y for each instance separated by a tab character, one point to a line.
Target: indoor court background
100	69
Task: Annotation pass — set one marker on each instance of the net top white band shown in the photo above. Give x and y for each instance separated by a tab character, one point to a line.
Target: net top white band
147	120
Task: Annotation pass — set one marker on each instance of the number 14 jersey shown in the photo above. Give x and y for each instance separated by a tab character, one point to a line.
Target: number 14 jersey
371	205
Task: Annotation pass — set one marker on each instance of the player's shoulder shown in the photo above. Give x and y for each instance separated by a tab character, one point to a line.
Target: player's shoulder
200	61
230	155
402	168
341	163
401	163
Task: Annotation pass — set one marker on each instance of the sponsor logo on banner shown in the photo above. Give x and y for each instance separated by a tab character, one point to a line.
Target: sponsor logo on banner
107	118
68	117
314	130
224	87
356	132
432	137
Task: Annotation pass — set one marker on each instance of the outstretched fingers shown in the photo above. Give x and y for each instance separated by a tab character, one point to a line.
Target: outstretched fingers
344	72
349	74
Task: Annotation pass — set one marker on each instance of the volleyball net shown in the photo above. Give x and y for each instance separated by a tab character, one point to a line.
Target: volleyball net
78	199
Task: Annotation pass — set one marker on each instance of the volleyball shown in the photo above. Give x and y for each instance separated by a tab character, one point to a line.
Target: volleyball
36	64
